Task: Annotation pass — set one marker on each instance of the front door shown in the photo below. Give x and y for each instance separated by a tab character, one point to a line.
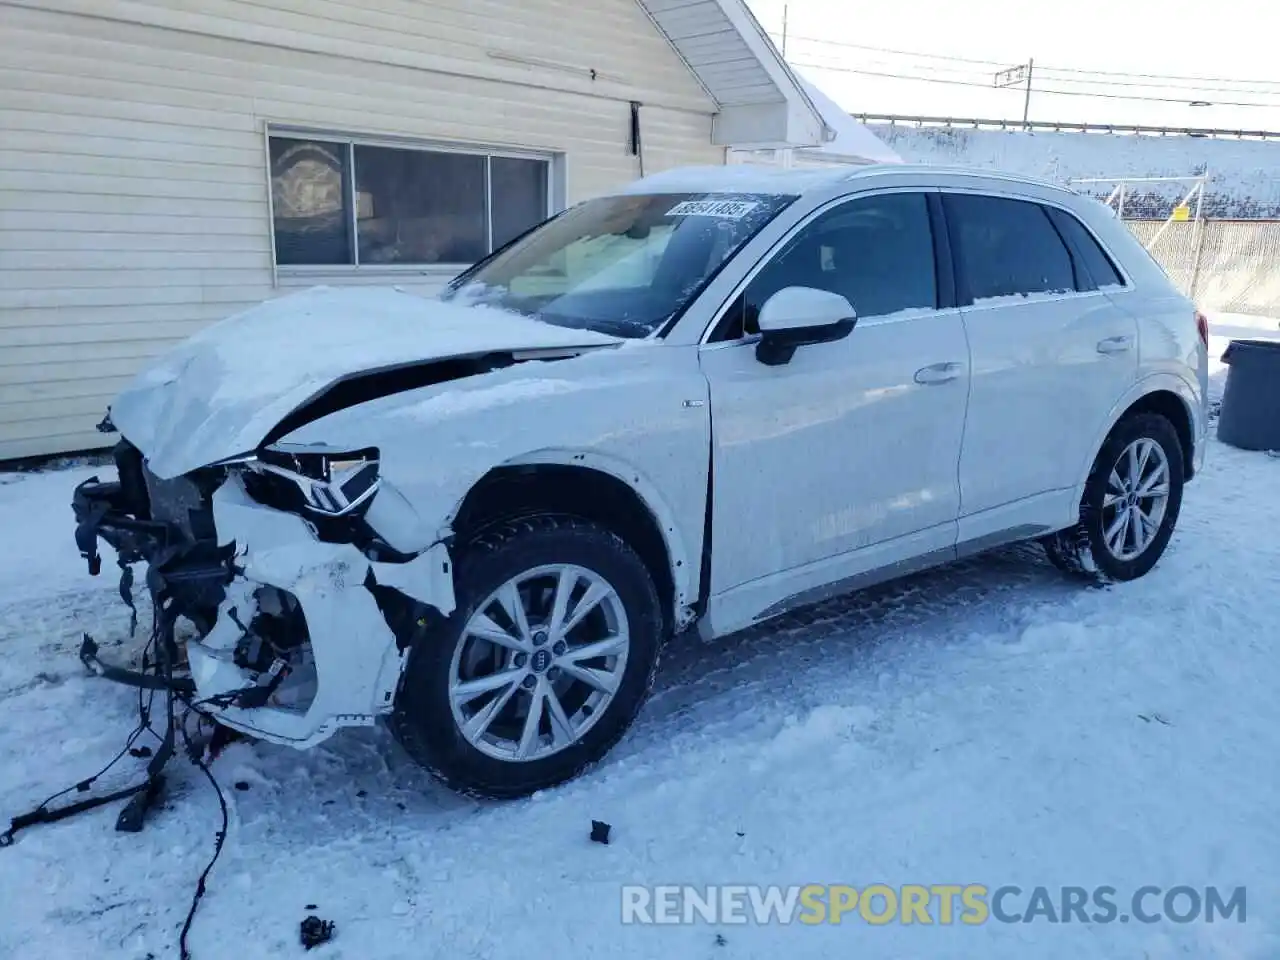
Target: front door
843	459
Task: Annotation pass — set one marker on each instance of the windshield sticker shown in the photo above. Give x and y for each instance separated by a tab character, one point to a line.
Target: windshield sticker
726	209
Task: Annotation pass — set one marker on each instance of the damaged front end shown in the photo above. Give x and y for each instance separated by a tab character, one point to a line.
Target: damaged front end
300	571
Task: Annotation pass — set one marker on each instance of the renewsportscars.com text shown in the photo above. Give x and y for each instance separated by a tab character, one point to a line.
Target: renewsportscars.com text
963	904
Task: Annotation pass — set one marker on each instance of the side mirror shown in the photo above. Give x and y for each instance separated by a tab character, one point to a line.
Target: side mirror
797	316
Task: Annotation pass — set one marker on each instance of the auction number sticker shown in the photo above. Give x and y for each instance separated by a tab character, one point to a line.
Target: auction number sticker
728	209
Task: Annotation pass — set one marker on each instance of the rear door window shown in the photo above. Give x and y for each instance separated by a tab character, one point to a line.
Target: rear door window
1100	269
1006	248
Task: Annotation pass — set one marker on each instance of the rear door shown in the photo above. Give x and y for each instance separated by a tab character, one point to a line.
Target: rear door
1051	356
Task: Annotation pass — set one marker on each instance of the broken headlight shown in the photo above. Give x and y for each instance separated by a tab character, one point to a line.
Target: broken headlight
334	483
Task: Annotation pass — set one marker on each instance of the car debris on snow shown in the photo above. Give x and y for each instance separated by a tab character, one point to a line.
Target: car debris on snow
313	931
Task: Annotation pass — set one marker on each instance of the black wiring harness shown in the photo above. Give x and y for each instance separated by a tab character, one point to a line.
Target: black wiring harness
156	677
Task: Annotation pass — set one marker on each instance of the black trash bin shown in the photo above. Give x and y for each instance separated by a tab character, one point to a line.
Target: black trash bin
1250	414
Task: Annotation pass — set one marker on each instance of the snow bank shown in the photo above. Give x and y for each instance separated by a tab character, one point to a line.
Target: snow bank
1243	178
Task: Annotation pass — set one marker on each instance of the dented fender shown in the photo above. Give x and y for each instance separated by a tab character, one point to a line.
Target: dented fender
638	412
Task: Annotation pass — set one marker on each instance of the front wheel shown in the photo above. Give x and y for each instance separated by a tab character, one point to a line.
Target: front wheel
541	668
1130	504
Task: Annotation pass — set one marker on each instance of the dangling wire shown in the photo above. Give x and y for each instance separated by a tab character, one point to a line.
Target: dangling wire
219	838
144	726
157	644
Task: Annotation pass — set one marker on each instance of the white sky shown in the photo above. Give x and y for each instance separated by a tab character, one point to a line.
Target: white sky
1218	39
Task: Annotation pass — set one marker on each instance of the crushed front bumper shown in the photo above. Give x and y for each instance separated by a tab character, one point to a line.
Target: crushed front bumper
360	615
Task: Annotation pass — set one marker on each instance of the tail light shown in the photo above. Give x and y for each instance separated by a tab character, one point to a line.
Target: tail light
1202	327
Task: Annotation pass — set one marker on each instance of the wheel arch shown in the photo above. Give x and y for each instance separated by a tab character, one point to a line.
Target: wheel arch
597	488
1165	394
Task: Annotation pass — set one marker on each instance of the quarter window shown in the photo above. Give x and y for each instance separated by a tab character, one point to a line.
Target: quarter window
1007	247
877	252
1101	270
339	203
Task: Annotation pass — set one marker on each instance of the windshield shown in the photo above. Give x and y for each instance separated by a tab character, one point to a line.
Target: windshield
618	265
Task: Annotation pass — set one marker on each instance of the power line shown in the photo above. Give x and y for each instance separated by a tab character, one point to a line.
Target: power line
1162	76
898	76
1034	89
1151	85
1046	68
979	75
904	53
983	77
1148	99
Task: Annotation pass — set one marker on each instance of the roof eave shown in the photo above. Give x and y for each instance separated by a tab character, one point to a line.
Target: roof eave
803	123
767	126
783	117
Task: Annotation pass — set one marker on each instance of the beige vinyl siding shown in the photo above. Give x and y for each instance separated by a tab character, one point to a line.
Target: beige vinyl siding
133	185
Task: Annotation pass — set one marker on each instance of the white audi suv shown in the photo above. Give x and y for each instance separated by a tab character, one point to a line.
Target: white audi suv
693	404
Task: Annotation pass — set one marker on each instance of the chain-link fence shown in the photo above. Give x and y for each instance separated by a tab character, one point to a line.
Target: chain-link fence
1229	266
1223	253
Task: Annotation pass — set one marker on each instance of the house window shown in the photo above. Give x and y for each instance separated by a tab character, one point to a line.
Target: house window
355	203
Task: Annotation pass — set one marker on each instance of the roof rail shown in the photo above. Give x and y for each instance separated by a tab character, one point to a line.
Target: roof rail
959	170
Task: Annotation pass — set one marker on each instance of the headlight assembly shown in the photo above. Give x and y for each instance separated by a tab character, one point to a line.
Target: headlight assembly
334	483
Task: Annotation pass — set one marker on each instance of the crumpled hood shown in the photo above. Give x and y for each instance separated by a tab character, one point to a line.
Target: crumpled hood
220	393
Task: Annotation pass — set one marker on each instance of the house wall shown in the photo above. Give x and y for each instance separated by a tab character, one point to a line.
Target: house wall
134	202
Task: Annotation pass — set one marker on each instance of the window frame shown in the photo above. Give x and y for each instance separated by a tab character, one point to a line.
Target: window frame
1080	271
943	264
964	294
348	141
1059	210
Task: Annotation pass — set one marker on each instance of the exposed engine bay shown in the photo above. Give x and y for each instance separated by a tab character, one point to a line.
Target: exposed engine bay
276	562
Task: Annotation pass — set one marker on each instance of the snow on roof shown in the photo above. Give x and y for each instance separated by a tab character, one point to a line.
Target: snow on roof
852	140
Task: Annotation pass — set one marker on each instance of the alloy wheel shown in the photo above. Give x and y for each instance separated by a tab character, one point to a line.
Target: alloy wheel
1136	497
538	662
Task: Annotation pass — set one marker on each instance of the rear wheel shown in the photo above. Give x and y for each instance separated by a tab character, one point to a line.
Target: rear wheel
1130	504
544	664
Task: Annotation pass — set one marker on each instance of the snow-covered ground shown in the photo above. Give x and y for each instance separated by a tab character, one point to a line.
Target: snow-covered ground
987	723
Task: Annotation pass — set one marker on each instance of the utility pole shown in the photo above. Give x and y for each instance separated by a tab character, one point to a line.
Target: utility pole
1026	100
1014	76
784	30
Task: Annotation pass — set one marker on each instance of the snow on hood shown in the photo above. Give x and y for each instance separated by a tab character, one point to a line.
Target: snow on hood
220	393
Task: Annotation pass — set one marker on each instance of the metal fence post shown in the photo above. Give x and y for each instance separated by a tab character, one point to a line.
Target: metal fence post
1199	241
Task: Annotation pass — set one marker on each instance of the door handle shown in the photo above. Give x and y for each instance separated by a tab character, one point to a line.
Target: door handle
1115	344
938	373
